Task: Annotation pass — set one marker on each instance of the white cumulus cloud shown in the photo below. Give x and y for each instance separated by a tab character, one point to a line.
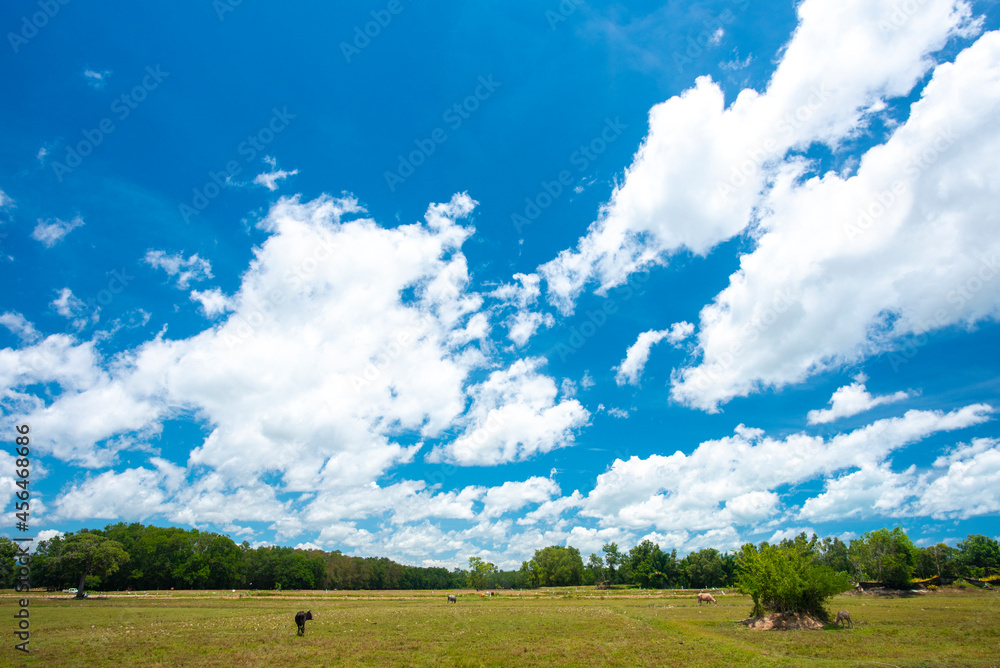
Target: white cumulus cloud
270	179
51	232
850	400
193	268
630	370
904	246
514	415
735	481
213	302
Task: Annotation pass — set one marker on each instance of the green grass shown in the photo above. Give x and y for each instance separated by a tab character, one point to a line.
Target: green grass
550	627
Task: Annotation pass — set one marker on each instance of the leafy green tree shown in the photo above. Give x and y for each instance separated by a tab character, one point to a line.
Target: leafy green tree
595	568
192	573
298	571
979	556
8	562
88	553
527	577
613	558
884	556
650	566
225	562
704	568
506	579
557	566
940	559
480	573
804	543
45	571
833	553
786	578
156	555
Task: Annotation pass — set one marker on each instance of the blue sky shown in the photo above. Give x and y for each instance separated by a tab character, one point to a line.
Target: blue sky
431	282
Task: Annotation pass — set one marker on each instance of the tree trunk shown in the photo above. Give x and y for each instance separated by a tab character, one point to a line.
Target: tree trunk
79	589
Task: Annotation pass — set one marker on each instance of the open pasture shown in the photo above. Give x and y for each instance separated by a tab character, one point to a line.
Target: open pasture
549	627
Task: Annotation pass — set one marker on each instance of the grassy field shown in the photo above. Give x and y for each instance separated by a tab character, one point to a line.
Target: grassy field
556	627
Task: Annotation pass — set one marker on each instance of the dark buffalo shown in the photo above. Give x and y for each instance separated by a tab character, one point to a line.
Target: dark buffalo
452	598
300	620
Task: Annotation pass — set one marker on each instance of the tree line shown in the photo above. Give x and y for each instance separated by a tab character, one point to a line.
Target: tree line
885	556
123	556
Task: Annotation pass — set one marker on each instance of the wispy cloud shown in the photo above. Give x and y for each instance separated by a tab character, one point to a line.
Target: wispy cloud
95	79
19	325
270	179
51	232
193	268
69	306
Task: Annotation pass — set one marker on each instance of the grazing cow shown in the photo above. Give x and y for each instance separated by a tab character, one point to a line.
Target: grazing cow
452	598
706	598
843	619
300	620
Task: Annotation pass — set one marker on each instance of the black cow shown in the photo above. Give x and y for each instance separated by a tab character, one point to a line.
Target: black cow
300	620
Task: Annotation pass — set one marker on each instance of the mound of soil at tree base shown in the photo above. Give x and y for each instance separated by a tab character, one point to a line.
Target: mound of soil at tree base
783	622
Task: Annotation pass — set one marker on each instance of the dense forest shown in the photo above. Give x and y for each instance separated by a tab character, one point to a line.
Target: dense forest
123	556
